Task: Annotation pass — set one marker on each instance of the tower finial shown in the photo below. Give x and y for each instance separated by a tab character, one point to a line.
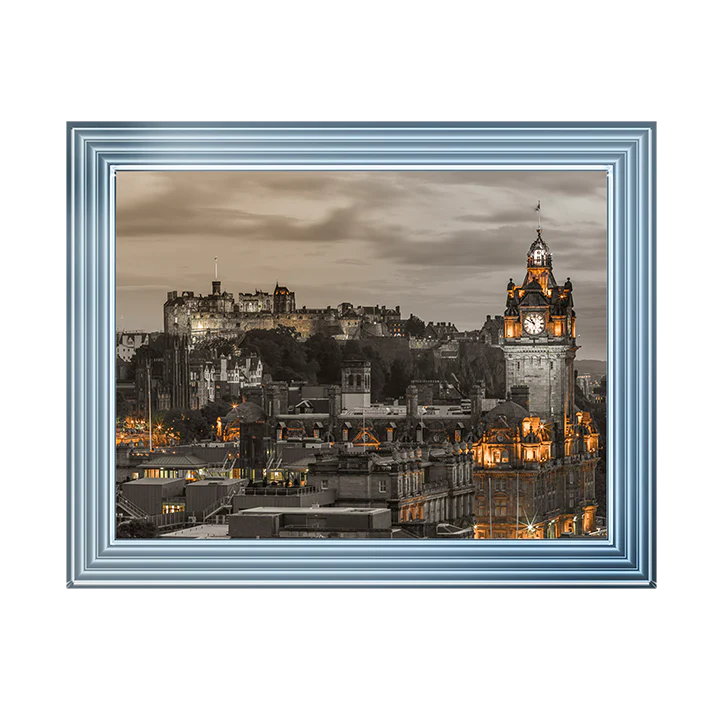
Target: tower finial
539	220
215	266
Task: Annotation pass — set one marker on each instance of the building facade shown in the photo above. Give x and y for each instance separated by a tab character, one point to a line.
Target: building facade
221	314
536	452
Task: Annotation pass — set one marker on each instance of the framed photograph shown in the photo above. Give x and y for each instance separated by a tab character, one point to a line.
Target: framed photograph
361	354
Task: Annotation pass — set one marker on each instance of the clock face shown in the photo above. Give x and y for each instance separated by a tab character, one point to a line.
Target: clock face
534	323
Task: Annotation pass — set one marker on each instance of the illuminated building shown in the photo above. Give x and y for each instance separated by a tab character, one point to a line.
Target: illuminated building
422	486
220	314
536	453
284	300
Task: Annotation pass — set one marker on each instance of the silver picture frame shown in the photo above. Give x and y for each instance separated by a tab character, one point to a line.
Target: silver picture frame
97	151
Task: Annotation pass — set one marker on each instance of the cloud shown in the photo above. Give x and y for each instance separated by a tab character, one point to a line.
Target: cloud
441	243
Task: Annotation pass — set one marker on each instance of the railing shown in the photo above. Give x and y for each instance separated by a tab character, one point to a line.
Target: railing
130	507
219	504
170	519
277	491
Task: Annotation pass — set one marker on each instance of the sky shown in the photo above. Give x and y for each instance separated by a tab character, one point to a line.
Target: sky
440	244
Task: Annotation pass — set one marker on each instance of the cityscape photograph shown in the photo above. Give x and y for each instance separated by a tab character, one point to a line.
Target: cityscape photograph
361	355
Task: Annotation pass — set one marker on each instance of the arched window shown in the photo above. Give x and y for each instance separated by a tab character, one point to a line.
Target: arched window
350	380
358	380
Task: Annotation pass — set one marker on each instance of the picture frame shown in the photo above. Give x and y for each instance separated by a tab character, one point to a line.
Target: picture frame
96	152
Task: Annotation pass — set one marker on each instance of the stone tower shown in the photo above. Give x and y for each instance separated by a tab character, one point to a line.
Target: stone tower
356	383
539	338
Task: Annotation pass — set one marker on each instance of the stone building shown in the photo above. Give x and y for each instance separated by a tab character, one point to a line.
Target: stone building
212	377
493	330
128	343
422	486
220	314
536	453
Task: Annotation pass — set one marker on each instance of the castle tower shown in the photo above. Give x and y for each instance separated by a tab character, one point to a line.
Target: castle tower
356	383
539	337
284	300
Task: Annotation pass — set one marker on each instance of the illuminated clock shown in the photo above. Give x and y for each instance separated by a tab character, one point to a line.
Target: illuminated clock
534	324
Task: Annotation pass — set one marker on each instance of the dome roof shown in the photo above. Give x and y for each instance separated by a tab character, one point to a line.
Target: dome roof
507	414
539	253
247	412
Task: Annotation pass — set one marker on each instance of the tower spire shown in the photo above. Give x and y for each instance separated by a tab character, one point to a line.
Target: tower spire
539	219
215	267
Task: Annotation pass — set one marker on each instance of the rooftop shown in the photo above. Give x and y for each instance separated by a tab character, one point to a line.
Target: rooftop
325	511
211	481
153	481
173	461
200	532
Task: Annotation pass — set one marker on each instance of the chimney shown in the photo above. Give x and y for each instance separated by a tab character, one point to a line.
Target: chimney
521	395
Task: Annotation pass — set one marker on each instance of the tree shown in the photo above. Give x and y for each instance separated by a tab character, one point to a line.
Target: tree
283	357
136	529
190	425
400	376
415	326
324	353
122	406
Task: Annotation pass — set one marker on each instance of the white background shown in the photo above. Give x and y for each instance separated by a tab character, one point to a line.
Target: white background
539	655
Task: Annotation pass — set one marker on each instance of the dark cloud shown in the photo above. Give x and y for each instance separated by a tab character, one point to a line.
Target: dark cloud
441	244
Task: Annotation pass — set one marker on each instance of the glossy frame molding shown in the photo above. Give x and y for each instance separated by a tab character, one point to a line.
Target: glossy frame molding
97	150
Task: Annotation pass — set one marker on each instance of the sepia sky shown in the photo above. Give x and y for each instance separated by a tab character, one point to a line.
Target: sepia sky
440	244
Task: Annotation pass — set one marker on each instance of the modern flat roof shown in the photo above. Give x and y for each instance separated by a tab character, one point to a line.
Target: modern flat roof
213	481
152	481
200	532
326	511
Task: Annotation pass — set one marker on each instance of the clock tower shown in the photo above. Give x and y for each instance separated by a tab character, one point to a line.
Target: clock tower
539	338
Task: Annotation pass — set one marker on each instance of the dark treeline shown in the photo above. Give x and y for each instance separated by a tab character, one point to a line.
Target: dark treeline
318	360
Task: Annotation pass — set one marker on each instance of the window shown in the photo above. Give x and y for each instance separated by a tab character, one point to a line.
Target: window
500	507
325	484
382	485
